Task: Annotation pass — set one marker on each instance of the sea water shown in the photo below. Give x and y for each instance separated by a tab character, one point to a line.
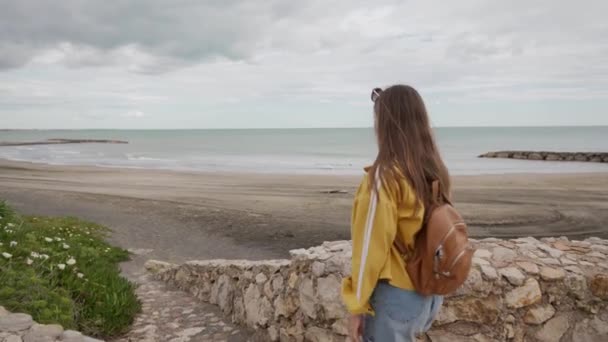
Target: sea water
304	151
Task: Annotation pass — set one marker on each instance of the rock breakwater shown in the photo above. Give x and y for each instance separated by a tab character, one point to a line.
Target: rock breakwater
63	141
594	157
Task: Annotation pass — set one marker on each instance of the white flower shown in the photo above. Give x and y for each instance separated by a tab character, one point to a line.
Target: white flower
13	243
35	255
61	266
57	239
71	261
1	244
48	239
7	255
80	275
66	246
11	225
44	256
29	261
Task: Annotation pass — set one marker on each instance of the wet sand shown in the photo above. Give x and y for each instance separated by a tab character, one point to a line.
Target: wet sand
179	216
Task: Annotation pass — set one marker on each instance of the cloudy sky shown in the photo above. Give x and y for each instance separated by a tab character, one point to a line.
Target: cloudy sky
309	63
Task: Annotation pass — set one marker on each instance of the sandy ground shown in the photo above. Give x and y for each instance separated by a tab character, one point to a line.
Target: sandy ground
183	216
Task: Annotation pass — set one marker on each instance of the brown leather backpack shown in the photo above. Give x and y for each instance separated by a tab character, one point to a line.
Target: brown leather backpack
442	255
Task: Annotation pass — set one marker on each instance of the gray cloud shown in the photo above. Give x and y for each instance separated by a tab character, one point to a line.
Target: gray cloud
181	30
154	36
14	55
225	56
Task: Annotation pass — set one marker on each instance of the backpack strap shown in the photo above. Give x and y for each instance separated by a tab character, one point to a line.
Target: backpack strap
436	193
401	248
438	196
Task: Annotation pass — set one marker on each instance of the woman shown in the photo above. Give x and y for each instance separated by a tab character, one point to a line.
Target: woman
390	206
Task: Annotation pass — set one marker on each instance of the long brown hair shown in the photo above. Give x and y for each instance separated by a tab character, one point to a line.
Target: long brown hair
406	146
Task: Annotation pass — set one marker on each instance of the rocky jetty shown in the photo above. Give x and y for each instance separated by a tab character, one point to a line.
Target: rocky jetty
18	327
64	141
518	290
594	157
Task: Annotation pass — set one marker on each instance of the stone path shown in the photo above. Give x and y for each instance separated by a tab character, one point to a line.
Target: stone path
174	316
19	327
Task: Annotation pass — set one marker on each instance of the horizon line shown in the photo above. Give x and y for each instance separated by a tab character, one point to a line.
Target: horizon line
277	128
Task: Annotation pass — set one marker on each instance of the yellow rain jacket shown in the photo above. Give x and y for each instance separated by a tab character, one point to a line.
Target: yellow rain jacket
375	225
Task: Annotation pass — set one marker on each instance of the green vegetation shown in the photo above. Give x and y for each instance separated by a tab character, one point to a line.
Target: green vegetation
61	270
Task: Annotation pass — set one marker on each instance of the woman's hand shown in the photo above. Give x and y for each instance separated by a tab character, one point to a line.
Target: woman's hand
355	327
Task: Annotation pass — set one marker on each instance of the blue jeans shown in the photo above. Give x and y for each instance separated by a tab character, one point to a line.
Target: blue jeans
400	315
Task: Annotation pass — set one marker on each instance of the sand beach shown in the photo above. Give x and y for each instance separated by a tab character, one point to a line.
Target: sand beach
178	216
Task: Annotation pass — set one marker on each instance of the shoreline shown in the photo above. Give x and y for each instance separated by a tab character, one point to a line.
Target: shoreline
180	216
18	163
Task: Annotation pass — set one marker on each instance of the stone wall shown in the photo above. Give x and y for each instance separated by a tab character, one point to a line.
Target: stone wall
595	157
518	290
18	327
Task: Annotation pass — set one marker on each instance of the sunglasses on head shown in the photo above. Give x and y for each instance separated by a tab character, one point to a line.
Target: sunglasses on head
375	94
